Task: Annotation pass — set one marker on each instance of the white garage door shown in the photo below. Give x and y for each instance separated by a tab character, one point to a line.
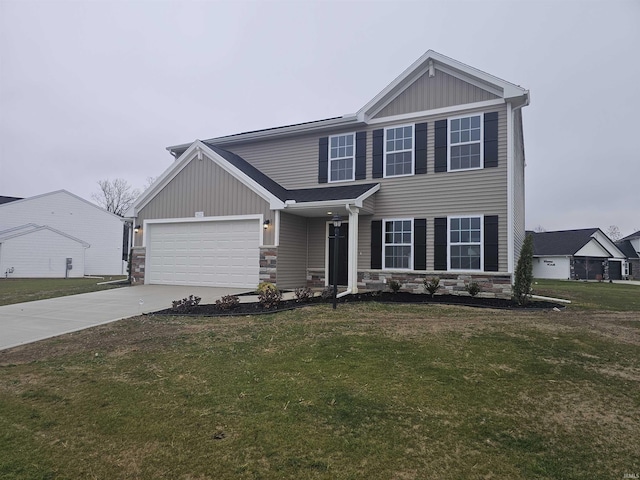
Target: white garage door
216	254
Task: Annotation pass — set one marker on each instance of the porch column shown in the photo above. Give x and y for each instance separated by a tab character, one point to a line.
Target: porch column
353	248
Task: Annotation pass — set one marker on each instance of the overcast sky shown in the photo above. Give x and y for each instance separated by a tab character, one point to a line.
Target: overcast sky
91	90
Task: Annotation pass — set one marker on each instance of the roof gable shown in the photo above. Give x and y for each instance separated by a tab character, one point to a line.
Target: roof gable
58	192
31	228
431	64
584	242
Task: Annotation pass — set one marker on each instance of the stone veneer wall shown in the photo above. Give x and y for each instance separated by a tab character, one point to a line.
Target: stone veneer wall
138	257
268	264
496	285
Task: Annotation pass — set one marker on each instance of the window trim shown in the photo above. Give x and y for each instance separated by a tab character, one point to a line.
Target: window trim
450	244
384	243
413	151
481	142
353	158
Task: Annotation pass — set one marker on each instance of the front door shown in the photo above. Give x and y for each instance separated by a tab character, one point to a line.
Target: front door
343	254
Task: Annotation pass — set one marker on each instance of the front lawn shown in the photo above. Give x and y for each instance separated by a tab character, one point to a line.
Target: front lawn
18	290
366	391
592	295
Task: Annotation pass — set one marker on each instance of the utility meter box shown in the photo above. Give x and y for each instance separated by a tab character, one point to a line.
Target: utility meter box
69	264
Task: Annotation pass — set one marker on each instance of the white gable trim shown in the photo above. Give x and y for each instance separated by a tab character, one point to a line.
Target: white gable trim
22	231
67	193
195	151
448	65
593	248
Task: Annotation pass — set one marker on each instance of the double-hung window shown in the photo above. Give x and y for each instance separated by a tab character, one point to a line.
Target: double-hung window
398	156
465	243
341	157
465	143
398	236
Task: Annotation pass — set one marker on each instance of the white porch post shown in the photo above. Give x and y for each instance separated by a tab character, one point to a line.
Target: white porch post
353	248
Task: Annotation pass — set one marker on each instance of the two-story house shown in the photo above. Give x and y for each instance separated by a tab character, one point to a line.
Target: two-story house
428	178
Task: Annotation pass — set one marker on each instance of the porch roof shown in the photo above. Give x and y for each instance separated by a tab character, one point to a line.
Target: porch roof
335	194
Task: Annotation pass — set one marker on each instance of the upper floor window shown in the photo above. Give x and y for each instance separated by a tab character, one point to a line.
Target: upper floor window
398	158
465	143
465	243
341	157
397	243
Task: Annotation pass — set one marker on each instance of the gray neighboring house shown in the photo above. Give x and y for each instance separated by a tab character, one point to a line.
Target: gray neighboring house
4	199
630	245
585	254
428	178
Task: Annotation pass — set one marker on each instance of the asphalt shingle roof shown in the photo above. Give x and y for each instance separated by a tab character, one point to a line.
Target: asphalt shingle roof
632	236
566	242
318	194
8	199
626	248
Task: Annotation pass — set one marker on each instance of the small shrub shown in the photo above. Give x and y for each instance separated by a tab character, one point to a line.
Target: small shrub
303	294
269	297
327	293
472	288
394	286
228	302
431	285
186	304
262	286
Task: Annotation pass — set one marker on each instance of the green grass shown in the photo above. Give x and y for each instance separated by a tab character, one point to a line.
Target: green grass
592	295
18	290
367	391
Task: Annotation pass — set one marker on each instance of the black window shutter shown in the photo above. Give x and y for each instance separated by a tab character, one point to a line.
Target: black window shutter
361	155
420	244
491	243
421	148
491	139
323	159
440	149
378	153
376	244
440	243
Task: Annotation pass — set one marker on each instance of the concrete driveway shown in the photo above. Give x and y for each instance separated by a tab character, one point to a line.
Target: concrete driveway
32	321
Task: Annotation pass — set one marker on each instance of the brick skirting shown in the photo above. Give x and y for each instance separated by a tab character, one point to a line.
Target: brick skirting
496	285
138	257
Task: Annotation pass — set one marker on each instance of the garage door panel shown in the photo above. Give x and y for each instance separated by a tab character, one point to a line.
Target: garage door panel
222	253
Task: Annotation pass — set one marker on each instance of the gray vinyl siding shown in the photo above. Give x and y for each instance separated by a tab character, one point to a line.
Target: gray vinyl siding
292	252
428	93
317	239
203	186
518	185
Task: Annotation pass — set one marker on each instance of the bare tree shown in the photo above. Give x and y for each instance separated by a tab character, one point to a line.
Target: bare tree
115	196
539	229
613	232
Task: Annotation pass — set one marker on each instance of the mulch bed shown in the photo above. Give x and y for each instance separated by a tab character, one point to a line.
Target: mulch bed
212	310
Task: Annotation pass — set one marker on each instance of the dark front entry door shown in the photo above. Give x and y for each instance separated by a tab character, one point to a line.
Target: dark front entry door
343	254
615	270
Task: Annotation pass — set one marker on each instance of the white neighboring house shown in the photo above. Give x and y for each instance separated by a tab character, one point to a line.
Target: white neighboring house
38	234
586	254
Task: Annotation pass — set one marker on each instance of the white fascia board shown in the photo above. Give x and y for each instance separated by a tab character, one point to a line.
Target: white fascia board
360	200
607	244
45	227
199	148
457	109
66	192
346	119
469	74
274	202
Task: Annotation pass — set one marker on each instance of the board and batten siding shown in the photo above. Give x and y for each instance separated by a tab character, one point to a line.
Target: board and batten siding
292	252
429	93
203	186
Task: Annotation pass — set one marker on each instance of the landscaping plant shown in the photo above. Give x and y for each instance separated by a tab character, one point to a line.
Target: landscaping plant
394	286
269	296
303	294
186	304
432	285
472	288
524	273
228	302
